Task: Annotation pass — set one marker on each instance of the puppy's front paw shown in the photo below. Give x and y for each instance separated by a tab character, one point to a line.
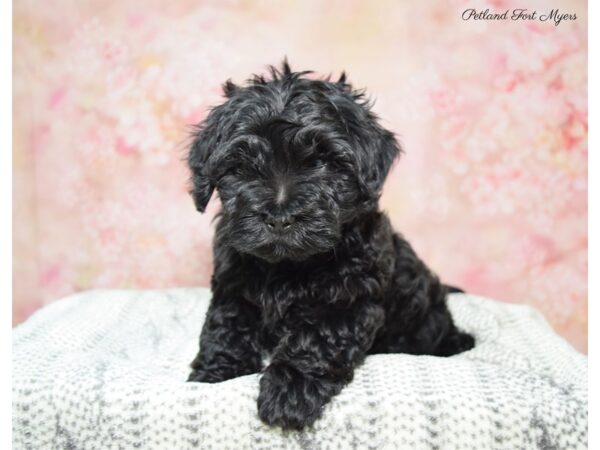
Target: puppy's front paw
290	399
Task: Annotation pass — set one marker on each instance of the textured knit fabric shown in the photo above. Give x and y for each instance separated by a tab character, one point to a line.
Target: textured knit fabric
107	370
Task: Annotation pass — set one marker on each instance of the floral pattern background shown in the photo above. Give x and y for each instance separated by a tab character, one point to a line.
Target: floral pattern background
491	190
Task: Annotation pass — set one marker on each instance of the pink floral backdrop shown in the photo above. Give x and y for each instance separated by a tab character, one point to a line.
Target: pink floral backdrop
492	189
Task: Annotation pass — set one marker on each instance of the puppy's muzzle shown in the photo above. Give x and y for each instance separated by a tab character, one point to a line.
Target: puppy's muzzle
279	223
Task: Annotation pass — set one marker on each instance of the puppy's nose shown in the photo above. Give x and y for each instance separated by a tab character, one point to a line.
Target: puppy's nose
279	223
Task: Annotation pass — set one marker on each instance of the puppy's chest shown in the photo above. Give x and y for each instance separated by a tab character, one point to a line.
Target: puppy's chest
279	297
304	295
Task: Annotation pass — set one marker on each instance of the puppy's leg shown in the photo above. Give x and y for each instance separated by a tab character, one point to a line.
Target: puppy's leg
228	342
313	363
438	325
437	334
419	321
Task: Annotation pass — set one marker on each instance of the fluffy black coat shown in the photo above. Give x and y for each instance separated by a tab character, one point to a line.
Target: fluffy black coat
307	271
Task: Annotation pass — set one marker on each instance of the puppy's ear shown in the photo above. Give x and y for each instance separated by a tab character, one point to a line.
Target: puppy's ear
202	187
381	151
206	140
374	147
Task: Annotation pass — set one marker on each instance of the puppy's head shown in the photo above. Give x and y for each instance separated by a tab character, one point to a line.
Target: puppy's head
293	159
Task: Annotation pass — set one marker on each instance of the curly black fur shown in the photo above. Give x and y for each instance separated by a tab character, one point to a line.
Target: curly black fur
307	270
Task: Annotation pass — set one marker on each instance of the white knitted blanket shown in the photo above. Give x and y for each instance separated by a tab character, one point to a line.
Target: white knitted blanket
106	370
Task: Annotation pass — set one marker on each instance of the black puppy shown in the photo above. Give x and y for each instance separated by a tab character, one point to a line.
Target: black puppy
308	273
